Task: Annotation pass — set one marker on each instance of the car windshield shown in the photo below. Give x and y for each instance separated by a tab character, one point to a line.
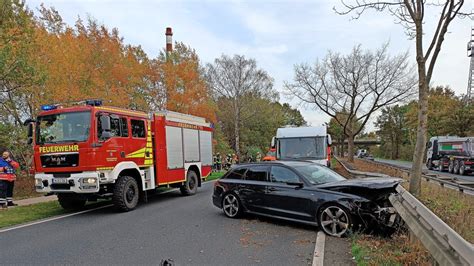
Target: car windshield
302	148
317	174
64	127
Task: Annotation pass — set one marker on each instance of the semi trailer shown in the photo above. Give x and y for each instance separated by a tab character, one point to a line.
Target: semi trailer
451	153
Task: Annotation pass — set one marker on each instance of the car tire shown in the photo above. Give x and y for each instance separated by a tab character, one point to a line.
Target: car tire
231	205
191	184
334	220
126	193
70	202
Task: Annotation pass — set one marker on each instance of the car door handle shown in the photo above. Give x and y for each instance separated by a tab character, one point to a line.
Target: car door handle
271	189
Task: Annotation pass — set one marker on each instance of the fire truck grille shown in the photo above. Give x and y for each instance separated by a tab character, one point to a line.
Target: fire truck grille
60	160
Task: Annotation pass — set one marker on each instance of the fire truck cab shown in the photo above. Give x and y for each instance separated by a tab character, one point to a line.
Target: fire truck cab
91	151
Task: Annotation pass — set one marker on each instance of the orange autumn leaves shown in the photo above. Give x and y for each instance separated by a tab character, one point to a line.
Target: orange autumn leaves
88	60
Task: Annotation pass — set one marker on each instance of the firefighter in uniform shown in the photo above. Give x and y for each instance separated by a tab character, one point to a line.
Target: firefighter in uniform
219	162
7	179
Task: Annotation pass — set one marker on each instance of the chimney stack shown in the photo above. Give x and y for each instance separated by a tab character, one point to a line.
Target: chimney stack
169	40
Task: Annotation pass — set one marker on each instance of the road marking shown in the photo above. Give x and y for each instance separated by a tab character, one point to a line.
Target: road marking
66	215
51	219
318	255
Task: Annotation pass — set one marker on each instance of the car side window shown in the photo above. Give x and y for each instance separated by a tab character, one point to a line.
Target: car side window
257	173
280	174
237	174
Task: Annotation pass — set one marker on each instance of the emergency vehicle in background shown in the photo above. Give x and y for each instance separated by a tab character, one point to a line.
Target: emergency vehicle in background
451	153
270	156
303	143
89	151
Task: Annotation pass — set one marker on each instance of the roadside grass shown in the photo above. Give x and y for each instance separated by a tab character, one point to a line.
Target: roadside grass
215	175
453	207
372	250
30	213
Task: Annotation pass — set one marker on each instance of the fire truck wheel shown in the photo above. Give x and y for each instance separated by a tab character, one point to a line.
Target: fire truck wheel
69	202
126	193
191	184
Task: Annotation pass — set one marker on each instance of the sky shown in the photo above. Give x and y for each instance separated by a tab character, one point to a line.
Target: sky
278	34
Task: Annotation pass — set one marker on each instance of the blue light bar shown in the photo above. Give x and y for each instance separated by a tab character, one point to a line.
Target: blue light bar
49	107
94	102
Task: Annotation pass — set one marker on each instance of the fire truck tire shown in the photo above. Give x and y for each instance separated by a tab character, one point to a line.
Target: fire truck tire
126	193
69	202
191	184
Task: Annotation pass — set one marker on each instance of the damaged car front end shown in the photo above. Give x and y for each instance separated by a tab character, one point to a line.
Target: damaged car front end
369	203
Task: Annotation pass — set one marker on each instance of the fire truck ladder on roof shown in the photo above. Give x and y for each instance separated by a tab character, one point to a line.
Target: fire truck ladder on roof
470	53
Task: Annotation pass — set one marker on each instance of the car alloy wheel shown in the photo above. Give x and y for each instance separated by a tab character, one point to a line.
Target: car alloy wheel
231	206
334	221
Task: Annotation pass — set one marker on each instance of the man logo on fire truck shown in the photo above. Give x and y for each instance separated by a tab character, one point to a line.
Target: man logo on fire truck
88	151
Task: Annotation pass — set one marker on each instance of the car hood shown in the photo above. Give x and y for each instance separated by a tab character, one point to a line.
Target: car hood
371	188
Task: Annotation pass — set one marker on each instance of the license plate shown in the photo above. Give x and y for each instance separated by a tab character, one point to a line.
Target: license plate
59	181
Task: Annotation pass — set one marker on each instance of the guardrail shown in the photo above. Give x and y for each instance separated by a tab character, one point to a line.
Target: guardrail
446	246
444	181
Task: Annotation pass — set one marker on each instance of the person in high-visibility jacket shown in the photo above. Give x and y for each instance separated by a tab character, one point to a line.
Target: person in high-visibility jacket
7	179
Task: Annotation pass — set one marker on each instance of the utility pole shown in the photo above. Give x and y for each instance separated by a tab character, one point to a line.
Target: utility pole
470	53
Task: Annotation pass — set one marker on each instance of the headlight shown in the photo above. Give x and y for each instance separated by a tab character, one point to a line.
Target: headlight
89	180
38	182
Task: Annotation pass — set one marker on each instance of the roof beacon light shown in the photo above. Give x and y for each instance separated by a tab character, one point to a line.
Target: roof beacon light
48	107
94	102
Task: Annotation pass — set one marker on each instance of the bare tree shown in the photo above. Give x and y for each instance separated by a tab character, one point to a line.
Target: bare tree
355	85
411	15
233	78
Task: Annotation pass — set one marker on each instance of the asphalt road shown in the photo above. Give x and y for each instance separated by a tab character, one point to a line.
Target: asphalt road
189	230
406	164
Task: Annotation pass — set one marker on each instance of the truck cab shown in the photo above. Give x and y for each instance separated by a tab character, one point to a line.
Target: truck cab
304	143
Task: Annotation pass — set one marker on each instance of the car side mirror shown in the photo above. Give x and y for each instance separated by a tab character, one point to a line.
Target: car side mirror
296	184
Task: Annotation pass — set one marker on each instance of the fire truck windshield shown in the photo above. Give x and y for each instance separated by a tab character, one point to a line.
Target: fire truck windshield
302	148
63	127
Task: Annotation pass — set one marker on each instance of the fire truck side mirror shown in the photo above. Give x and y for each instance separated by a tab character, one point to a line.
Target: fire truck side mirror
273	143
105	124
29	123
329	140
30	133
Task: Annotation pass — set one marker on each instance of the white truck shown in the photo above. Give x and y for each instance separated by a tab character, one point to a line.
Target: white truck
451	153
303	143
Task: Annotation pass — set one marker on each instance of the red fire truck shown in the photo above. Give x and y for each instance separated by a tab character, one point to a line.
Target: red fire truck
89	151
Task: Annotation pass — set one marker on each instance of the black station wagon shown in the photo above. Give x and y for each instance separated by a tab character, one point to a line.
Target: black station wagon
310	193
